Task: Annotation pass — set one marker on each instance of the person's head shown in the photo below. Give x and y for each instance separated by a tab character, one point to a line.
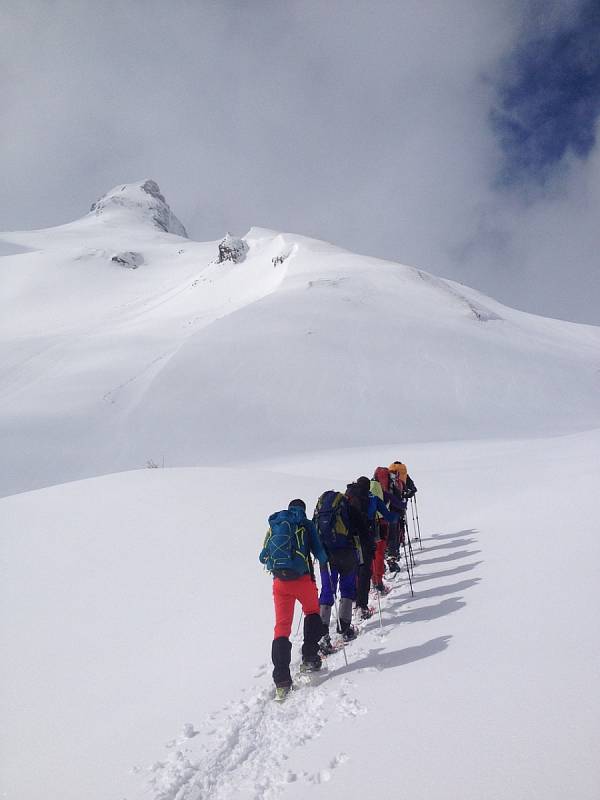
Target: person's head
297	504
364	484
352	494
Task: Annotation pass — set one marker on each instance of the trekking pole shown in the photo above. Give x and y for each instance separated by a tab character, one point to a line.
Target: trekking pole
299	623
417	513
414	522
408	570
337	616
412	555
379	605
416	531
410	550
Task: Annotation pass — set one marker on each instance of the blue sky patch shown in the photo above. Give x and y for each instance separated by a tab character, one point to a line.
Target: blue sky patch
549	99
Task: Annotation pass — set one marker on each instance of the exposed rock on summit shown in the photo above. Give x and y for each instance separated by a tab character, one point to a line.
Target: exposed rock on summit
142	201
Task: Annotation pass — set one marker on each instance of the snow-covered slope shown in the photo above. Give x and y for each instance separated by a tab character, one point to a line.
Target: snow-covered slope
136	621
135	613
123	342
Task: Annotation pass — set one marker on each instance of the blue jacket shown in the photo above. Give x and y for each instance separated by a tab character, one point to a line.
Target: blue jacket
375	505
311	543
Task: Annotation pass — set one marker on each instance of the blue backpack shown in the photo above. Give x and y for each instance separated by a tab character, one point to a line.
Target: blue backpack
332	521
286	544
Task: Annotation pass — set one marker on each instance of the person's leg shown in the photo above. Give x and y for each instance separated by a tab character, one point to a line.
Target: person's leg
281	649
348	593
402	529
378	567
281	655
306	592
326	596
392	544
364	580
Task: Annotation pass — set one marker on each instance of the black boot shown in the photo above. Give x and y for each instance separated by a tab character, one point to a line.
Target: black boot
347	630
281	654
313	631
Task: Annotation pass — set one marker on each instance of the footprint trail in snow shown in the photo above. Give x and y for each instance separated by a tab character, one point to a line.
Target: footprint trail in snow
245	747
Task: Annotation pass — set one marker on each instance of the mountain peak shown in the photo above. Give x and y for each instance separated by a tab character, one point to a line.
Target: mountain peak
144	201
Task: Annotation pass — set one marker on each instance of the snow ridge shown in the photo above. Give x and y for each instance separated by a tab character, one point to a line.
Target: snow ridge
478	310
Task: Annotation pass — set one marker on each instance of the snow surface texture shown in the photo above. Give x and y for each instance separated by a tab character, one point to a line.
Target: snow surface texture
128	630
300	346
136	621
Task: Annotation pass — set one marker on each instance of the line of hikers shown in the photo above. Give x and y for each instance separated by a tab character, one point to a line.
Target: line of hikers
353	535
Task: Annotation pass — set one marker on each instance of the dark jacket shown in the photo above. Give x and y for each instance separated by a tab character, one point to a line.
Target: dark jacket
360	526
410	489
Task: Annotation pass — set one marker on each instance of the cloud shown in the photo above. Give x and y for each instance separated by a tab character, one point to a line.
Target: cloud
549	98
366	124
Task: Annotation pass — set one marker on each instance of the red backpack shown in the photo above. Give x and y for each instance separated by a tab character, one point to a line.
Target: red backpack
382	474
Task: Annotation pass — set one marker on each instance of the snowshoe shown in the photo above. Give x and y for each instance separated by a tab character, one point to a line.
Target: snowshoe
311	665
326	646
381	588
349	634
366	613
281	692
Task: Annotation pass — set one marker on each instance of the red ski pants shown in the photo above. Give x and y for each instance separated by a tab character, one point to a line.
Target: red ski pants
378	566
285	594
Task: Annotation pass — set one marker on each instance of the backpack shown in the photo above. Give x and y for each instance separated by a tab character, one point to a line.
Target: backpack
382	474
400	470
285	544
332	521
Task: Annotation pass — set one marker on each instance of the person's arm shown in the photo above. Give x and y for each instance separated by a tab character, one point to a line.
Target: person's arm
411	489
390	516
314	543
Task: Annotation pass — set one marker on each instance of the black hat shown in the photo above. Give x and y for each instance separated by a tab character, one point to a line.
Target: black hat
297	502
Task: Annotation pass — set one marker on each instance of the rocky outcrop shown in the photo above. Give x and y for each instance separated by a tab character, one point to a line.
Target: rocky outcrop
128	259
140	202
232	249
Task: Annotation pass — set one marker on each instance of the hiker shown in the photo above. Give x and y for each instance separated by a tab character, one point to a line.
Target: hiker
374	506
363	507
397	502
403	487
286	552
399	473
381	521
332	520
392	552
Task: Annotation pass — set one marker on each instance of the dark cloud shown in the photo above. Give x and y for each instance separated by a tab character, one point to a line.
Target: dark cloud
549	98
